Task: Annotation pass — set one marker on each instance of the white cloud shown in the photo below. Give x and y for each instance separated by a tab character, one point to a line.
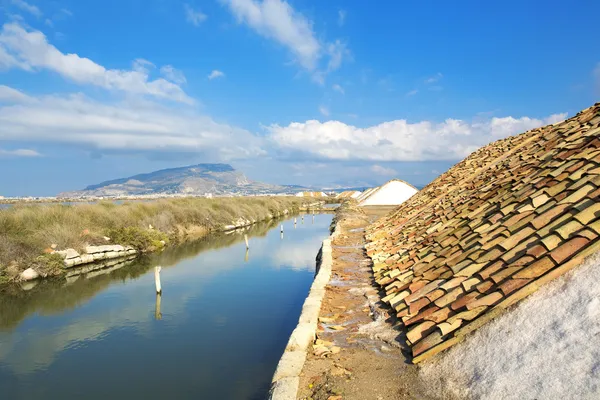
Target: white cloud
379	170
173	74
277	20
337	51
49	22
399	140
216	74
434	78
338	88
23	5
30	50
597	77
10	95
341	17
19	153
131	125
412	93
195	17
324	110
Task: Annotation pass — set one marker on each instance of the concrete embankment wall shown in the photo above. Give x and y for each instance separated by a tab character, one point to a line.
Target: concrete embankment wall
286	380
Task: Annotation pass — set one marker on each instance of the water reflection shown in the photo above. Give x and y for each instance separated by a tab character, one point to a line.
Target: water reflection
219	326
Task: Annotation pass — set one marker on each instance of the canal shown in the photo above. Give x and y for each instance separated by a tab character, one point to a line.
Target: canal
216	332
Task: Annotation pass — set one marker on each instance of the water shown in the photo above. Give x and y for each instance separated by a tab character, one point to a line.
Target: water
224	319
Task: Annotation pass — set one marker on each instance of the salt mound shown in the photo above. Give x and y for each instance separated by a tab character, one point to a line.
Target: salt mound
394	192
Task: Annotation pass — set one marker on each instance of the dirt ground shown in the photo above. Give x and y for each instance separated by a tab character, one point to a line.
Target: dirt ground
358	354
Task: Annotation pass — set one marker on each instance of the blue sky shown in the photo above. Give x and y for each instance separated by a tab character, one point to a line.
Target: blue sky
297	92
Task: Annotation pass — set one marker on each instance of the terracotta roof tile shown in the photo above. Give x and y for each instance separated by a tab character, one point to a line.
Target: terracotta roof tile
490	230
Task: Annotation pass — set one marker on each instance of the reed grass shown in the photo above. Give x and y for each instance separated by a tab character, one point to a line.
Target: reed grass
27	230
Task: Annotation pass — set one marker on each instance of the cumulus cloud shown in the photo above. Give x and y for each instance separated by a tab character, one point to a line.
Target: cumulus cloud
338	88
399	140
173	74
30	8
19	153
216	74
29	50
131	125
194	17
10	95
379	170
277	20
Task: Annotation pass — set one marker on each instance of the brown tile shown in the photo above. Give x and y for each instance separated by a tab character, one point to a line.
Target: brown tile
505	273
436	294
536	269
440	315
487	300
464	300
511	285
417	305
452	283
492	269
449	297
415	334
485	286
569	248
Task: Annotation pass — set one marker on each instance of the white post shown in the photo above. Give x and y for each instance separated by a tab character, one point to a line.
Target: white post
302	218
157	279
246	256
246	239
281	228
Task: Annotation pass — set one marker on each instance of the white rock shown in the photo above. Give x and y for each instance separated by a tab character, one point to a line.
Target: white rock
87	258
29	274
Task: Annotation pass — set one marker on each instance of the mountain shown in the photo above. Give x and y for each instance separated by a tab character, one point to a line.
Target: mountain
197	179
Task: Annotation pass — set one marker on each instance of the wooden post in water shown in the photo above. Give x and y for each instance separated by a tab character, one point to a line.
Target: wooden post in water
295	222
246	239
302	218
246	256
157	313
281	228
157	280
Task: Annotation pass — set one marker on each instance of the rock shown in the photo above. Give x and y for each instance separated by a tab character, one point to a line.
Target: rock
68	253
87	258
53	246
106	238
29	274
150	227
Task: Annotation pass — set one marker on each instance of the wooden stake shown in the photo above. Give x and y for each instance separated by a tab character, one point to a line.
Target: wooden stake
281	228
246	256
157	279
246	239
157	313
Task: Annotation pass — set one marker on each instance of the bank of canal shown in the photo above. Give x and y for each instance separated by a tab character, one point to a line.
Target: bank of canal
225	317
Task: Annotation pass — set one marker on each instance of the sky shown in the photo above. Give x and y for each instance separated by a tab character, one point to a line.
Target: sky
326	93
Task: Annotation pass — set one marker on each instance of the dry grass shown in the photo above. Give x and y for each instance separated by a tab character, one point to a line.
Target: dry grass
26	230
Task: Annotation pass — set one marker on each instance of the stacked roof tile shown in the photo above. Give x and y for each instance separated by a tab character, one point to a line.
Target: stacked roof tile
490	231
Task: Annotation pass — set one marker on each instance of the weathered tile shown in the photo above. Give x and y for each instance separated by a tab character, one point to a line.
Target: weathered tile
536	269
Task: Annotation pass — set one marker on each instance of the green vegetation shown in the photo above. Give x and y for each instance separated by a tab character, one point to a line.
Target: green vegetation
27	231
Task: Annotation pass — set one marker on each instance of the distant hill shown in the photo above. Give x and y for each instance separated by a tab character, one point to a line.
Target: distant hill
197	179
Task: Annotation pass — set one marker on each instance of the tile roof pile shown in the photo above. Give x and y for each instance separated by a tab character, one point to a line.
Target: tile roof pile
490	231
